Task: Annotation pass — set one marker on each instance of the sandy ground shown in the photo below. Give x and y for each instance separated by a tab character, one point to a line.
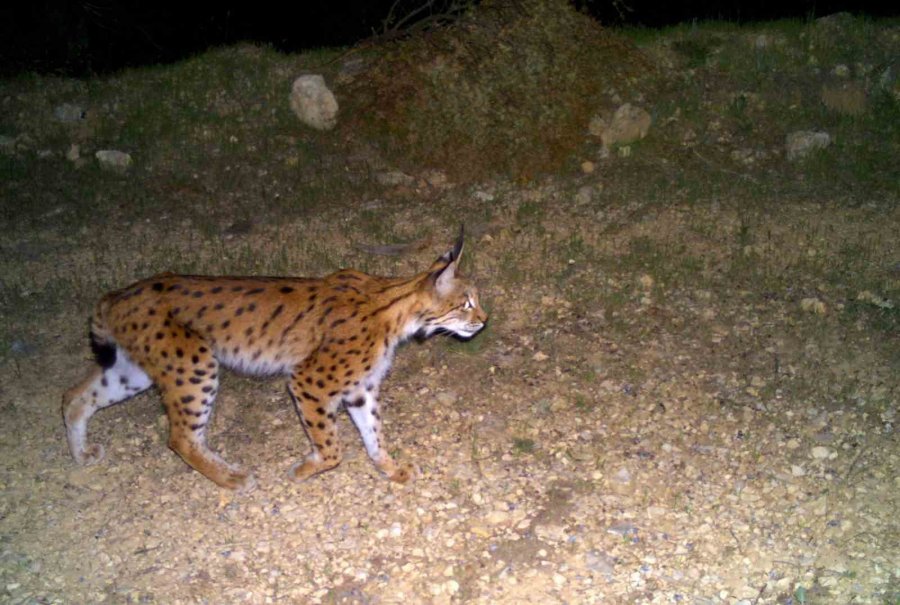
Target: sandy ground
616	436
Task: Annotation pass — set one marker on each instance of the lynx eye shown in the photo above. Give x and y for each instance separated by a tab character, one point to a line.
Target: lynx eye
469	305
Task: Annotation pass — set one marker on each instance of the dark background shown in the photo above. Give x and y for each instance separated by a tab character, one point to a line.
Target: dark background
84	37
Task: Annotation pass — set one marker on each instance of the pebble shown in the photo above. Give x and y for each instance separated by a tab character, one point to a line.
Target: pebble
599	562
813	305
821	453
84	477
111	159
551	532
69	113
497	517
623	475
446	398
622	529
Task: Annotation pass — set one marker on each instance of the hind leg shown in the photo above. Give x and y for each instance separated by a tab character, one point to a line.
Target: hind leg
188	379
103	387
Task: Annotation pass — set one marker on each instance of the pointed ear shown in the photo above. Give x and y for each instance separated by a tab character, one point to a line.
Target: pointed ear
444	276
451	256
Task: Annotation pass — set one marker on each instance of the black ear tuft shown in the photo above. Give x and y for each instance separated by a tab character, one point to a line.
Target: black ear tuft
453	255
458	246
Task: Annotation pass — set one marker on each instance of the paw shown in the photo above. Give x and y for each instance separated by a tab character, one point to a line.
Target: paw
240	481
302	471
404	473
91	454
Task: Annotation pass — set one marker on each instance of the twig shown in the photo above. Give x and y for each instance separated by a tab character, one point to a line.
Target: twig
853	462
725	170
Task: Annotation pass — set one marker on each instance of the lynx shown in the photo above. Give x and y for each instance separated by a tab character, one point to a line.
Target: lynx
334	337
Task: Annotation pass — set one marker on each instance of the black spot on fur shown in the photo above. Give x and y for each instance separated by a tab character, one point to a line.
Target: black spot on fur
356	403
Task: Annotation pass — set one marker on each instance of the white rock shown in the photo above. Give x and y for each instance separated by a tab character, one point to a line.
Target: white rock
497	517
628	124
802	143
550	532
584	195
813	305
69	113
394	178
820	453
435	178
623	475
446	398
111	159
313	102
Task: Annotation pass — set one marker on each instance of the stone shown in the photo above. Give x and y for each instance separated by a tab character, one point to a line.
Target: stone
821	453
313	102
628	124
813	305
394	178
622	475
802	143
497	517
111	159
446	398
68	113
549	532
584	195
435	178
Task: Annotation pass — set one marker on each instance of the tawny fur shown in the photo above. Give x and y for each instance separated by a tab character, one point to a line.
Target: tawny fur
334	337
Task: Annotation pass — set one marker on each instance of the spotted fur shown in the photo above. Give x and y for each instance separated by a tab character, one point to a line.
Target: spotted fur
334	337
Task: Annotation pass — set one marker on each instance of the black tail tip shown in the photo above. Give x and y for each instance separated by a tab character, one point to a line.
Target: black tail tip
104	352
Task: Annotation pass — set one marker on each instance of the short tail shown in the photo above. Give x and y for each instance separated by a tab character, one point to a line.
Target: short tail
102	343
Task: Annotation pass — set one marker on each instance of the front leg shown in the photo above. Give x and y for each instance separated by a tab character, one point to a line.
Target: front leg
362	405
316	409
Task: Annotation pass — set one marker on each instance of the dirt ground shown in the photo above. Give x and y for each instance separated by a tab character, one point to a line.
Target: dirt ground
622	433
